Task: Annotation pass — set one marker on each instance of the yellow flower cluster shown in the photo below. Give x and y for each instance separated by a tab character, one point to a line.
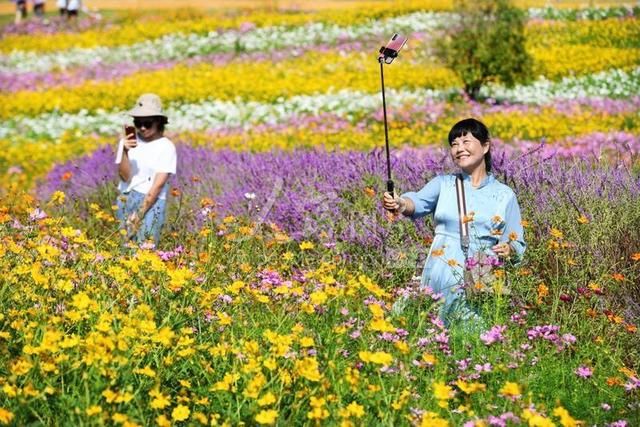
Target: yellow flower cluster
116	323
555	62
547	123
604	33
312	73
35	159
576	48
138	28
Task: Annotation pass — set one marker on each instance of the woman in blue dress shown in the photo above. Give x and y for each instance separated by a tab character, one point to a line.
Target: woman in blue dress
493	216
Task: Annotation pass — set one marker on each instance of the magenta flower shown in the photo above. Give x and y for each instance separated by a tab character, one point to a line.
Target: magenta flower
493	335
483	368
633	384
584	372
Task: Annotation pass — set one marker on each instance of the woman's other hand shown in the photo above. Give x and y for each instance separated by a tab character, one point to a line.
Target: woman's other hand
503	250
133	222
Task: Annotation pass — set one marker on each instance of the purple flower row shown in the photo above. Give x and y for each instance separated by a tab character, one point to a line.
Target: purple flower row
305	192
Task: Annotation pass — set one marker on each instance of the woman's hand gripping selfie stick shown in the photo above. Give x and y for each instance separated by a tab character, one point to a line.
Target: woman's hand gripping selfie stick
387	54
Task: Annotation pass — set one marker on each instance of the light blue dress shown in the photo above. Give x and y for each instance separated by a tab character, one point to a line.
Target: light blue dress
496	218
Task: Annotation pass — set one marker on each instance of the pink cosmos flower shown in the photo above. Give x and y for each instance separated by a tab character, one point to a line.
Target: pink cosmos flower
493	335
584	372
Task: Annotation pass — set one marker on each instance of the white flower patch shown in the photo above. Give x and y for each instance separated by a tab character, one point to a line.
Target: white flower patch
218	114
588	13
181	46
605	84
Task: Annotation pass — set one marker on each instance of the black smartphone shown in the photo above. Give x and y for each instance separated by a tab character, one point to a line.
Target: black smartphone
129	130
389	52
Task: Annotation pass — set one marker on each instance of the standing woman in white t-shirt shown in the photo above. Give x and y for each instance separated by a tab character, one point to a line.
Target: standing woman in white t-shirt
145	161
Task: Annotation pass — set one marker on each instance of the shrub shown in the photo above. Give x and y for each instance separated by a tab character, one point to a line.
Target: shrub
487	44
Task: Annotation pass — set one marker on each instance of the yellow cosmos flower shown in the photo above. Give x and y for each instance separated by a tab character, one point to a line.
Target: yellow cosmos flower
180	413
470	388
5	416
318	297
381	325
511	390
267	399
306	342
21	367
355	409
536	420
431	419
441	391
304	246
163	421
556	234
93	410
57	197
566	420
160	401
308	368
379	357
267	417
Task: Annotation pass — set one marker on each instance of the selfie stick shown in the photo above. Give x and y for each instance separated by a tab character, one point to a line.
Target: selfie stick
386	132
387	55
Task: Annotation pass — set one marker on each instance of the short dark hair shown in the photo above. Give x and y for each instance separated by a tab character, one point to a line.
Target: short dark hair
478	130
162	121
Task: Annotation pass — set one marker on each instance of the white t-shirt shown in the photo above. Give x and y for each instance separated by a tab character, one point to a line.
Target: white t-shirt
147	159
73	5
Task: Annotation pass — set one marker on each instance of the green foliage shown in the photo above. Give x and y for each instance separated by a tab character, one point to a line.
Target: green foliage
488	44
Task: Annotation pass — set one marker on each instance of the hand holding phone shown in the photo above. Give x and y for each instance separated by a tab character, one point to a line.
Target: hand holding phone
389	52
129	137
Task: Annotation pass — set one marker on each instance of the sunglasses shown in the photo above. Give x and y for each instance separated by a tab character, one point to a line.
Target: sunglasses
140	123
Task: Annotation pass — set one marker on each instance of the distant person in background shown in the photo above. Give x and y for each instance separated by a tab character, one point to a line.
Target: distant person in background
62	7
38	8
21	10
73	8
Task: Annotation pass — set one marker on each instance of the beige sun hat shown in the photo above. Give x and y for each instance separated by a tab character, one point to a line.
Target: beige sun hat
147	105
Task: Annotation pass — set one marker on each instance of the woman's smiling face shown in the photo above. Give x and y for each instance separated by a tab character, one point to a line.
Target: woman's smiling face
468	152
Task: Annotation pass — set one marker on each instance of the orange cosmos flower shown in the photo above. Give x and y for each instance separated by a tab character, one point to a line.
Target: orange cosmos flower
583	219
437	252
617	277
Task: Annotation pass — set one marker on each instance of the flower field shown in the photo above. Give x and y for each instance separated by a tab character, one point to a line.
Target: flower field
271	297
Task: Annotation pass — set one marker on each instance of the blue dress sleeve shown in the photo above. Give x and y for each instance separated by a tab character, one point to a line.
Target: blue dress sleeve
514	232
426	199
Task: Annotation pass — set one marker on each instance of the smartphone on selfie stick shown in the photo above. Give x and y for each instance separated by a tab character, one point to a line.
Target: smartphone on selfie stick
387	54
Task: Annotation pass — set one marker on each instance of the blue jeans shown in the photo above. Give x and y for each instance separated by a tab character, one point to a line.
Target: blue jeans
153	220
